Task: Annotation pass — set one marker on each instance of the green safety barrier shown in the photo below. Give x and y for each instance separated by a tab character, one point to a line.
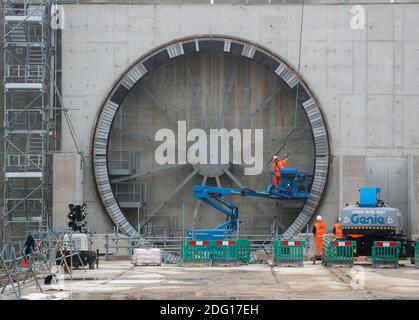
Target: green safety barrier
416	255
223	252
289	252
215	250
198	252
339	253
243	250
386	253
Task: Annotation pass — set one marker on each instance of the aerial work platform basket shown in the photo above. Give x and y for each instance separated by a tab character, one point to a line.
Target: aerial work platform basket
385	254
289	253
338	253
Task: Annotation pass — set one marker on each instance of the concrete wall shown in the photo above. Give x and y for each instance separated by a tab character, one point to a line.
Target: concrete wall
366	80
67	179
413	187
73	183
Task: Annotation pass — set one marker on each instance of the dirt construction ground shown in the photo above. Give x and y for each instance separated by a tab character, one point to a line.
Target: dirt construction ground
120	280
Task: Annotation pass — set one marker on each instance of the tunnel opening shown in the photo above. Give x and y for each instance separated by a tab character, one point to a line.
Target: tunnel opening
208	83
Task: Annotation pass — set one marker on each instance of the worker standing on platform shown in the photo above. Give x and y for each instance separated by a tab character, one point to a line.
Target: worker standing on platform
277	166
319	229
337	229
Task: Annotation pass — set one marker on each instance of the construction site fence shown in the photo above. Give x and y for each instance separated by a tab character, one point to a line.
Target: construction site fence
215	250
289	252
386	253
338	252
416	255
119	245
16	265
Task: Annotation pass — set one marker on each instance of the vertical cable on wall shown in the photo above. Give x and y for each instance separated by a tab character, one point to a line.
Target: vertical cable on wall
299	63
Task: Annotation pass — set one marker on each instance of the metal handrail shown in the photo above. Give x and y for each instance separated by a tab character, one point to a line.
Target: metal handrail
26	162
171	244
121	159
23	12
28	73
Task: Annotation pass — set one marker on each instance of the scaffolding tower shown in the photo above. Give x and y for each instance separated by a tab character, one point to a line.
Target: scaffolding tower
29	117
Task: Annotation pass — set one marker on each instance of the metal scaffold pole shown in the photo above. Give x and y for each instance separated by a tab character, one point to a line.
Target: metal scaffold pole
50	259
29	117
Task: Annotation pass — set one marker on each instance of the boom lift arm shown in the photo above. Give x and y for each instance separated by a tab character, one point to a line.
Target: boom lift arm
294	186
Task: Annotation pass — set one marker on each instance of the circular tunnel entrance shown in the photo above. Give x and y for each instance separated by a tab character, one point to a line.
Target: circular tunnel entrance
210	83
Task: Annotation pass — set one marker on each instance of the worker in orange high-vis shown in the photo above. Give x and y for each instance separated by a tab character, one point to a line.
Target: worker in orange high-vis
337	229
319	229
277	166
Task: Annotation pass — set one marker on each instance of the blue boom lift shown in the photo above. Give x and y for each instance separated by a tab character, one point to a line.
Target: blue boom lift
294	186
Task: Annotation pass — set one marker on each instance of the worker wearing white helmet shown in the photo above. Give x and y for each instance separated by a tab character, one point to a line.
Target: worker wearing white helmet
319	229
277	166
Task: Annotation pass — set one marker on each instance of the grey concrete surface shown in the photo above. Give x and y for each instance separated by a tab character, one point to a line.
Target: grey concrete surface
352	177
413	177
67	179
119	280
238	2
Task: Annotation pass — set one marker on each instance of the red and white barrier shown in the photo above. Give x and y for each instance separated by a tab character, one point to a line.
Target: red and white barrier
291	243
198	243
225	243
386	244
342	243
194	243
